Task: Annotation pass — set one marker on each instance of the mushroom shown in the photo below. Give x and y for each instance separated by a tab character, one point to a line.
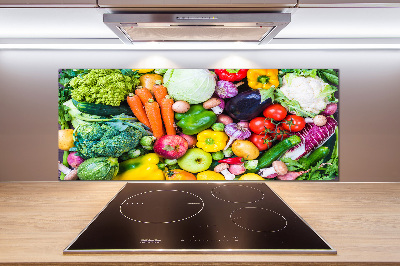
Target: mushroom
180	107
236	131
215	104
278	167
69	174
237	169
318	120
224	119
227	89
223	169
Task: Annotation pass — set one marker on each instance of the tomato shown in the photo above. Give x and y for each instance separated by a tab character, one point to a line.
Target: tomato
280	133
178	174
275	111
260	124
293	123
262	142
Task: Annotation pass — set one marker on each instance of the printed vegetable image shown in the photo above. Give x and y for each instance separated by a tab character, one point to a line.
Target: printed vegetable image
141	168
198	125
211	141
262	78
102	86
190	85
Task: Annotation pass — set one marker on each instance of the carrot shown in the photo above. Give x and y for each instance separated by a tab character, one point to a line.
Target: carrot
168	115
154	115
137	108
144	94
159	92
148	80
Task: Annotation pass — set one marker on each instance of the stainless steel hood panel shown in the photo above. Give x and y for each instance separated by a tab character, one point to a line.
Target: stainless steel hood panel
196	3
250	27
352	3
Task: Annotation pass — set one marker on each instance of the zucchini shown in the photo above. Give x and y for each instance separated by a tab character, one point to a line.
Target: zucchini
314	157
276	152
102	109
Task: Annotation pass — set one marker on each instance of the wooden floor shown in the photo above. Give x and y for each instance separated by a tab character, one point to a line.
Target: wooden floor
360	220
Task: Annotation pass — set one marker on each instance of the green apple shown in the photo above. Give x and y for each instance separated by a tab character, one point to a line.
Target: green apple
195	160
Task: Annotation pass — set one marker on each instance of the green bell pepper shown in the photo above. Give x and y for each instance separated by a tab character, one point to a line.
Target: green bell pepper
195	120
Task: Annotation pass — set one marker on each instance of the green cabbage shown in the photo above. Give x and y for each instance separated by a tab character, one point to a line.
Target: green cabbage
191	85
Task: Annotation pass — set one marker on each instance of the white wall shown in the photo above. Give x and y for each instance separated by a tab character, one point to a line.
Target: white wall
369	96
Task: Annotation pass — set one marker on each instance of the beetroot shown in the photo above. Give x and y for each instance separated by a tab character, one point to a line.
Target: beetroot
171	146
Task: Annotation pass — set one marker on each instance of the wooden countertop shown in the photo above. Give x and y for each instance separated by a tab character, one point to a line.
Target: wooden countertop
360	220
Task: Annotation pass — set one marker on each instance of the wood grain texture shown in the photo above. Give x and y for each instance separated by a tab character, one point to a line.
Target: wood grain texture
360	220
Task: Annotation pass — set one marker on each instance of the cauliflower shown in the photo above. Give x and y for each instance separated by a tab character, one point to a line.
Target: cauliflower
309	92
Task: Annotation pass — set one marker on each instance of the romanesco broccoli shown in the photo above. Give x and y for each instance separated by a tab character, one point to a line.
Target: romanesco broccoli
103	86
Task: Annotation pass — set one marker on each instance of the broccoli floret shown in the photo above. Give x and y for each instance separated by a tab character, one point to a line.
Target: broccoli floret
101	140
103	86
90	132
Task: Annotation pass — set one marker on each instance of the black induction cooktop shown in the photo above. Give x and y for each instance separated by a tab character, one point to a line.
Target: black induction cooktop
193	217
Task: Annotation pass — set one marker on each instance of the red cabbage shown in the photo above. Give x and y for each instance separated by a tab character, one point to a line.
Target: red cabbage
312	137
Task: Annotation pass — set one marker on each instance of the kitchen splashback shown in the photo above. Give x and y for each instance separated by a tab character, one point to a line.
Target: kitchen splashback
198	124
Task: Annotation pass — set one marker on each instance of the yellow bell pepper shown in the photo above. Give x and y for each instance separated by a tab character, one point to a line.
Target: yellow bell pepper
262	78
211	141
141	168
143	70
210	175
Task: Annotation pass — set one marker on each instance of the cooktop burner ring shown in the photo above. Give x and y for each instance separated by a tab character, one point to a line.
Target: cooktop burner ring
258	196
195	207
263	226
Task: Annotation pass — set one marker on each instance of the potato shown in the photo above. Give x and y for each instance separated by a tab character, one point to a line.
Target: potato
65	139
245	149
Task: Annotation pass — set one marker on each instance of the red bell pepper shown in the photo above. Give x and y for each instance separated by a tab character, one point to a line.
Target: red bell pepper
231	74
235	160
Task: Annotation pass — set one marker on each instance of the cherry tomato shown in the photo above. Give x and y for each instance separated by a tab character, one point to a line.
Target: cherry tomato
293	123
260	124
275	111
262	142
280	133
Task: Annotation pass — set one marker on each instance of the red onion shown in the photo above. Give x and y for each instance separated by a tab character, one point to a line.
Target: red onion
226	89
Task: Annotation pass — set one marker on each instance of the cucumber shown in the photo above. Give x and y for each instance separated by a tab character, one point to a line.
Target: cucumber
101	109
314	157
276	152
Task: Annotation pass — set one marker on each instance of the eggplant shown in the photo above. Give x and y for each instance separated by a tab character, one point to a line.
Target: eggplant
248	104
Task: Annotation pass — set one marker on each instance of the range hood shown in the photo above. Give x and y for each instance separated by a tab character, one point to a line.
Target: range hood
192	27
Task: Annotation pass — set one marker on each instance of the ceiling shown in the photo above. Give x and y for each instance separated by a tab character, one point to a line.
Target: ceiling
18	24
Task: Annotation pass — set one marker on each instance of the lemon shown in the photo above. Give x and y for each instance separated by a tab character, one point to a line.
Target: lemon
251	176
209	175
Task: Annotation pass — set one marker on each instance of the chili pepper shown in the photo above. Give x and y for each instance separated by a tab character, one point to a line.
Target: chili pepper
231	74
235	160
262	78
